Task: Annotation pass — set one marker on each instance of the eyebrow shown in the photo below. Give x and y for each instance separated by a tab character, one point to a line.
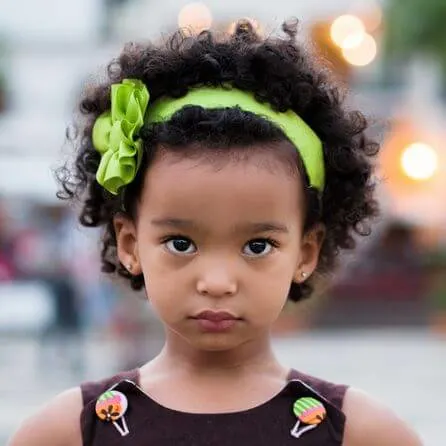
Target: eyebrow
173	222
266	226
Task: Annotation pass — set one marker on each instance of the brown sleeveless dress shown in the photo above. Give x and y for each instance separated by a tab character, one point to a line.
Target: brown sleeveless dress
270	424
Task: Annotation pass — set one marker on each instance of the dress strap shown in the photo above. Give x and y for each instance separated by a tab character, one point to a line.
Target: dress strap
93	389
335	393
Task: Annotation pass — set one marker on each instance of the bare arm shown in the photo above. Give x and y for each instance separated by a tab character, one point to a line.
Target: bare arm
370	423
57	424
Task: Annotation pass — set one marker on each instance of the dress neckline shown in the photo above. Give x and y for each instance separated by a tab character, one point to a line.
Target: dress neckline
134	380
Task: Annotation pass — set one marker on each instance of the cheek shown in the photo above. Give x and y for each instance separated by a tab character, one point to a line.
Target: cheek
163	288
165	300
269	288
156	274
268	298
278	272
167	283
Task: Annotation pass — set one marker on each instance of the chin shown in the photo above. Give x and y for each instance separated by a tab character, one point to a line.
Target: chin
214	343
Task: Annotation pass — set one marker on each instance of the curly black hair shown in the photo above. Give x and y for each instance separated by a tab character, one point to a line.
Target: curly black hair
277	70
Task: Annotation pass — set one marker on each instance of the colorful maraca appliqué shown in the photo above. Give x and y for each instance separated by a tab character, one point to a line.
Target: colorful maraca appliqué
308	411
111	406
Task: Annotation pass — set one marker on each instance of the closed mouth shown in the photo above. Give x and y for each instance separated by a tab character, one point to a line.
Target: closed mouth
216	316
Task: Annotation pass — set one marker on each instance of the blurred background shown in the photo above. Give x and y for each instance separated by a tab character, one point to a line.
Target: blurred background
382	323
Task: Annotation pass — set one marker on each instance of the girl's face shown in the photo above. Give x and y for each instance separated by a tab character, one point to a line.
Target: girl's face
218	247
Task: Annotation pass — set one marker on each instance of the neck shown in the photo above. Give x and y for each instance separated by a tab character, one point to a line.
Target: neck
252	356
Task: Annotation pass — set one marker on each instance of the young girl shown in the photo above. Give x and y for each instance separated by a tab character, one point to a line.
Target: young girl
227	175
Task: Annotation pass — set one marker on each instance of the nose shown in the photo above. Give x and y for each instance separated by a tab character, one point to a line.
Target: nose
217	281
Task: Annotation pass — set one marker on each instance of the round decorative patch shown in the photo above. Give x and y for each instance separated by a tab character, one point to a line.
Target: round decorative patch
309	410
111	405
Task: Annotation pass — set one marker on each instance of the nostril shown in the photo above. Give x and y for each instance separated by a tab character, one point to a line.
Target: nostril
216	288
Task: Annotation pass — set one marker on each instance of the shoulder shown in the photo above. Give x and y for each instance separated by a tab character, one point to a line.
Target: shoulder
91	390
334	393
56	424
59	422
371	423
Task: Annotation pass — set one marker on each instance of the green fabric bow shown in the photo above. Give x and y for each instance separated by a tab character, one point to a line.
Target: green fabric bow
115	135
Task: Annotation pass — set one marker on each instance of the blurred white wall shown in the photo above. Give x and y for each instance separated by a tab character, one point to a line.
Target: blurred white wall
50	47
49	20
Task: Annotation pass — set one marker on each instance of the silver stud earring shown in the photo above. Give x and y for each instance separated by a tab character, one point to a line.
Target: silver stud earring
129	267
304	274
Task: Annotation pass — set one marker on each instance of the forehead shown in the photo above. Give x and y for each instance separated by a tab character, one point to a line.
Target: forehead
258	189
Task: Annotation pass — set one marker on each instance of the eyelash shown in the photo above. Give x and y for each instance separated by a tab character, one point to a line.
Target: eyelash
271	241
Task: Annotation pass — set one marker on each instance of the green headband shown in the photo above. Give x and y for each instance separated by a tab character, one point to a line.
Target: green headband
115	131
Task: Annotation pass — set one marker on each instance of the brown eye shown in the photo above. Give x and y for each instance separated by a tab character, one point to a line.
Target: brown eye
257	247
180	245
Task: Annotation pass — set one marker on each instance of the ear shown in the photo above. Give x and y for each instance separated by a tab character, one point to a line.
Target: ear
126	240
310	249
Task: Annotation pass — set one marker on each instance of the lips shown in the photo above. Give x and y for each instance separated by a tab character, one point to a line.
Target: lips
216	316
211	321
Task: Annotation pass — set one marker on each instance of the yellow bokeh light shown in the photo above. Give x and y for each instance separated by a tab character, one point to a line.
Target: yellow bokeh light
352	41
196	17
347	31
362	54
419	161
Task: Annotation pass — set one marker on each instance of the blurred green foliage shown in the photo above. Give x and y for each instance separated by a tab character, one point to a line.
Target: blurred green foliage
416	27
3	75
435	263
